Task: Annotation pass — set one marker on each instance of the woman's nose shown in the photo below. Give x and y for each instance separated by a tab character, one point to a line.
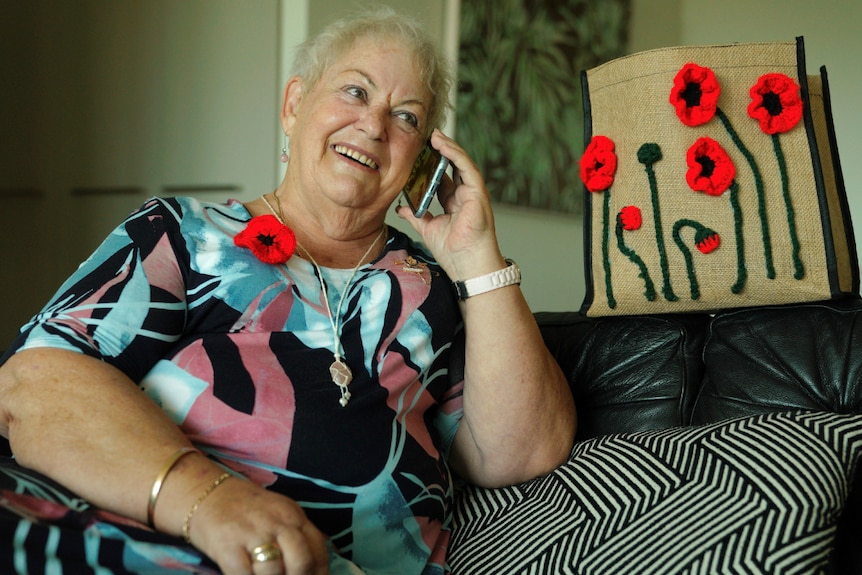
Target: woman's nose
373	122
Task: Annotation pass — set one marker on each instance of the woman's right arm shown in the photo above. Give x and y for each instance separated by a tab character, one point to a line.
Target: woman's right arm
85	424
71	409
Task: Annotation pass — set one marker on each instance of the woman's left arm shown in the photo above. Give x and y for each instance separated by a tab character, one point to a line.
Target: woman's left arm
519	417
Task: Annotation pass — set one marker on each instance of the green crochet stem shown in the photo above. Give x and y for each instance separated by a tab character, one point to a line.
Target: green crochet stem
648	154
606	260
798	267
741	272
649	287
761	195
689	262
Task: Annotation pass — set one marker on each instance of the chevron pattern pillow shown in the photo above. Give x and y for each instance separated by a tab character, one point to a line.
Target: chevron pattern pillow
759	494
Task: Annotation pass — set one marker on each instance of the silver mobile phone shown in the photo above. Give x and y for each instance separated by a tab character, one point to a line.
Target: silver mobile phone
425	178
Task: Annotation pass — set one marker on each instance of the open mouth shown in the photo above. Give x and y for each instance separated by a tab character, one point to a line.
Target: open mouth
356	157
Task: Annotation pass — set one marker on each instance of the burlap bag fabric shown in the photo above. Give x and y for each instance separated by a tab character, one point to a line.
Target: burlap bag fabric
712	181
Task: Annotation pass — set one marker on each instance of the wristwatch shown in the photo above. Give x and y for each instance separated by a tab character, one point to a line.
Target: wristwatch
508	276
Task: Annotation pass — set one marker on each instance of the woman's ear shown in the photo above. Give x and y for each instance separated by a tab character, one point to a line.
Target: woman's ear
290	107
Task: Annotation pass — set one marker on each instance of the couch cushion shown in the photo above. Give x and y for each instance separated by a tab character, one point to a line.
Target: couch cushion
806	356
628	373
755	495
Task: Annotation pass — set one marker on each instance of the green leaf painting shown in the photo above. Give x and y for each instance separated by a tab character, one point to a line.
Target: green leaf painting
519	109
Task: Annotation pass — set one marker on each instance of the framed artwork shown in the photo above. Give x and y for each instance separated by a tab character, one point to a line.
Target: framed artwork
519	111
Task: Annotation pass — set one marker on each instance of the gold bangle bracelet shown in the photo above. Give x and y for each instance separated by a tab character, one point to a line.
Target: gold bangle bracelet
187	522
160	479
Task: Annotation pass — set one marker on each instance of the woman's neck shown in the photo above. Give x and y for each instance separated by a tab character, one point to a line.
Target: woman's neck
328	241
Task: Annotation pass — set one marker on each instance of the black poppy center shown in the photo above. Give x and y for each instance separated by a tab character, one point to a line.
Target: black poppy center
772	103
266	239
692	94
707	166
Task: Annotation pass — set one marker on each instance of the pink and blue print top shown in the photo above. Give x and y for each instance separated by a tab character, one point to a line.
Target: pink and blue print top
237	353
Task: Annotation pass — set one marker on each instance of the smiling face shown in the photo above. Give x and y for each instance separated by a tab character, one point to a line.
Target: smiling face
355	134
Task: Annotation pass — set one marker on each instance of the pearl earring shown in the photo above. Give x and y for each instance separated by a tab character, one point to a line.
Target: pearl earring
284	157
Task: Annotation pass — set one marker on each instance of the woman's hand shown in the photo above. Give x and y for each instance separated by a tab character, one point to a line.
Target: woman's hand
463	239
239	516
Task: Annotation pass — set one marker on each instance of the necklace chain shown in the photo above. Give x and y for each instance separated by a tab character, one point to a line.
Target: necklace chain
339	370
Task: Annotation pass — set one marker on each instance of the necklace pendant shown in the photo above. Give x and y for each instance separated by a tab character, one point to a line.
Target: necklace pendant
340	373
341	376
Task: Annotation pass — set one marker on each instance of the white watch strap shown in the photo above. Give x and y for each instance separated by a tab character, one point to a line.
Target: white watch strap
507	276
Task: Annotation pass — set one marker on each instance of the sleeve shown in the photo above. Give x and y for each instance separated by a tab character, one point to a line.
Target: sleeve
126	303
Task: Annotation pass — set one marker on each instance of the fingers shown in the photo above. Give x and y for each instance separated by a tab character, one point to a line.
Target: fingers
447	189
465	232
249	530
267	559
464	170
288	553
466	183
318	544
294	551
303	550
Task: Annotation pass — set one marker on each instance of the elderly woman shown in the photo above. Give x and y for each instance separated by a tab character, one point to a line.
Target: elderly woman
285	383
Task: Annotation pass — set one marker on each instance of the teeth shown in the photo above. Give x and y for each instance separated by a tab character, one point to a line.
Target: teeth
354	155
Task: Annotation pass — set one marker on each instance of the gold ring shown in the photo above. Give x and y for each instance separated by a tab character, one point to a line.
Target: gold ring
267	552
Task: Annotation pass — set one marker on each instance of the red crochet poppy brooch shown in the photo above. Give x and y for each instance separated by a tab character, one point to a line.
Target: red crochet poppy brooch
268	239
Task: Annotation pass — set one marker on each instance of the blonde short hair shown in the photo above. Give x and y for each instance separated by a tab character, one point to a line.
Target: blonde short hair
319	52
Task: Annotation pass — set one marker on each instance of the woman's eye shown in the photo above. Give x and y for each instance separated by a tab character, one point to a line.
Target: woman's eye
409	118
356	92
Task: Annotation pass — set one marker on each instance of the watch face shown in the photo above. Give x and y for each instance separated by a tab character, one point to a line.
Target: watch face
460	290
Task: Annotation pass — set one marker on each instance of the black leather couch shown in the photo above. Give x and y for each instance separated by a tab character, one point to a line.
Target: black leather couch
632	374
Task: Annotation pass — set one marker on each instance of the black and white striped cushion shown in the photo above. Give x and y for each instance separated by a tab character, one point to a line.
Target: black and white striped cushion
759	494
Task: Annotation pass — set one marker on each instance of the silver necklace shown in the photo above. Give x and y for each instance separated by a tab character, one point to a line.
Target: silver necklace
339	371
